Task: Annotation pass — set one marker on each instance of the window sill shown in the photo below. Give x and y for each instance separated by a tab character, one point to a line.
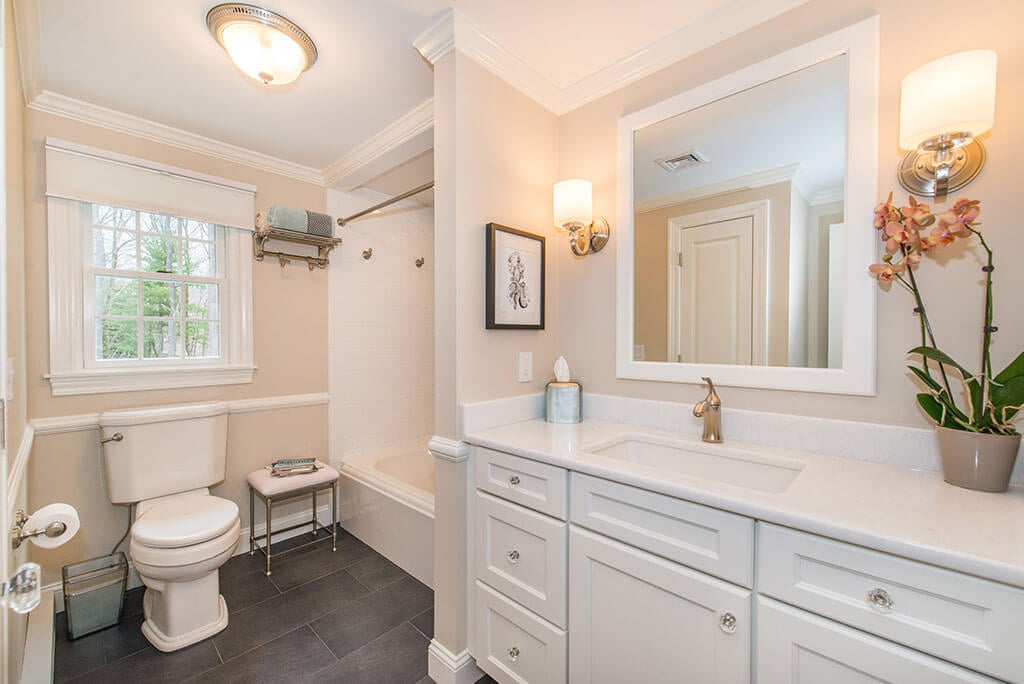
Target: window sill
140	379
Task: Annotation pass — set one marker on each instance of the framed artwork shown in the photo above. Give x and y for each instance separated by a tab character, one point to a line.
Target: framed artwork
515	279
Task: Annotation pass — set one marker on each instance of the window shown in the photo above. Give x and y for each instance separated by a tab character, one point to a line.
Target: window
144	298
153	282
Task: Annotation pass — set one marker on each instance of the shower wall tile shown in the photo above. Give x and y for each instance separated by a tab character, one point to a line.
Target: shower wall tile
381	328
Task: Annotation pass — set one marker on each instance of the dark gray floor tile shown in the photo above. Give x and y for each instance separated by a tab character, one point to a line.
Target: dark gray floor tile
246	590
376	572
425	623
258	624
244	564
153	667
133	602
284	659
73	658
306	565
398	657
425	680
485	680
359	622
123	639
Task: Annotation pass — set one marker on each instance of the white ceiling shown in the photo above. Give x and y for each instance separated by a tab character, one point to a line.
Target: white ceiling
796	121
155	60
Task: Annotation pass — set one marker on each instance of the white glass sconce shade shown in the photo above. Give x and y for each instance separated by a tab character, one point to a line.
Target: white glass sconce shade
953	94
573	202
944	105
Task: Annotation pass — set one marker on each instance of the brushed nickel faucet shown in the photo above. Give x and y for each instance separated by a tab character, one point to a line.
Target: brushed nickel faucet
711	411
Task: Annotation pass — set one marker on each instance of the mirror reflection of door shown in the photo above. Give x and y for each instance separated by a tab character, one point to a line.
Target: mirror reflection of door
717	285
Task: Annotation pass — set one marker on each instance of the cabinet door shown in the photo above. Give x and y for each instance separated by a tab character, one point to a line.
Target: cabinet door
635	617
798	647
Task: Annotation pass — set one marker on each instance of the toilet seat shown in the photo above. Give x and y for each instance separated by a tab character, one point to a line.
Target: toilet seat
154	557
184	521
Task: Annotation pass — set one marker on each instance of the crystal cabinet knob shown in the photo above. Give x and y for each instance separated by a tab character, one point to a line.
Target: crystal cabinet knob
513	654
880	600
727	623
513	481
512	557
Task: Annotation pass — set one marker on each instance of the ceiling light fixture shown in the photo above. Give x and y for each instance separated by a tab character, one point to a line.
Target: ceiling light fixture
263	44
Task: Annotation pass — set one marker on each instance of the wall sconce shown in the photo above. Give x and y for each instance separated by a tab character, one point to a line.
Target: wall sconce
263	44
944	105
574	213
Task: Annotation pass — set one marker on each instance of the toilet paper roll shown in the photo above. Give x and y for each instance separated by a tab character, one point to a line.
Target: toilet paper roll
49	514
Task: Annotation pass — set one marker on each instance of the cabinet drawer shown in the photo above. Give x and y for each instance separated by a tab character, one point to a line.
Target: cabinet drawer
970	621
535	485
798	647
707	539
523	555
513	645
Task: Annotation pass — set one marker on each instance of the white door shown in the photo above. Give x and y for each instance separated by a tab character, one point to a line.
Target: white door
716	297
796	647
635	617
718	285
6	560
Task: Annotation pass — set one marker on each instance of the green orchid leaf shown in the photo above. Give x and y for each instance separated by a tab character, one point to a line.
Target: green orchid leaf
928	380
1014	370
941	357
933	407
1007	398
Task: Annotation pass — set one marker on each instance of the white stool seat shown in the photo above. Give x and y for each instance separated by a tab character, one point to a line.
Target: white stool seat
273	487
184	521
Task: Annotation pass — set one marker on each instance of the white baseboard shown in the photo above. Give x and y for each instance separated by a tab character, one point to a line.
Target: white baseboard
37	667
444	667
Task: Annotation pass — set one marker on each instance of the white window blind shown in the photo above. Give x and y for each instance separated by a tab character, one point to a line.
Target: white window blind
87	174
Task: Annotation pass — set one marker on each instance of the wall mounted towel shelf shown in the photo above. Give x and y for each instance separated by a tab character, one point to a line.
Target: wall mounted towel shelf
324	245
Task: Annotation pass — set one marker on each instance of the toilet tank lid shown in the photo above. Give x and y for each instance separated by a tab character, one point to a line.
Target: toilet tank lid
161	414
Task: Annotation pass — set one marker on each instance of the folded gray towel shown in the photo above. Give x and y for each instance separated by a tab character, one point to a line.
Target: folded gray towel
287	218
319	224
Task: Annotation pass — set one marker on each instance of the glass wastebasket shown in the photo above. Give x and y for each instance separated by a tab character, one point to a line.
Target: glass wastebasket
94	593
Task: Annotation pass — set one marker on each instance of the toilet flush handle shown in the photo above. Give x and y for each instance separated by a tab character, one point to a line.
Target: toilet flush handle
116	437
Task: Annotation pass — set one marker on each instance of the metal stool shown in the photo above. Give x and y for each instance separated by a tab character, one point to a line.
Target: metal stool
274	490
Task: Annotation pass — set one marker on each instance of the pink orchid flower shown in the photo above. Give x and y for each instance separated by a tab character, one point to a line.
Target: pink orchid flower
897	234
918	213
885	212
886	273
960	217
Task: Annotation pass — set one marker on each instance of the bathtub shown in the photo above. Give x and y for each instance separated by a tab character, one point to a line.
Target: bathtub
387	501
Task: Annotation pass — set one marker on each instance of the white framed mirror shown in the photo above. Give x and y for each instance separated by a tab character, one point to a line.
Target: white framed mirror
745	229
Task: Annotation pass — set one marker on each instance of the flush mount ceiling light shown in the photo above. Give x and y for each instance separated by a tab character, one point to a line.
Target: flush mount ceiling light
263	44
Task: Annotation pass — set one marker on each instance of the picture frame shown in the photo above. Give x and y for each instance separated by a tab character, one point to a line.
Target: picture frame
514	279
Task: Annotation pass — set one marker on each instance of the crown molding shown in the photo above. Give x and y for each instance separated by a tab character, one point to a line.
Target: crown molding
453	30
79	110
747	182
358	166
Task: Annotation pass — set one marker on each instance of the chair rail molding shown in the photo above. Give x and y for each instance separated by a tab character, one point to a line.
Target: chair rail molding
19	468
56	425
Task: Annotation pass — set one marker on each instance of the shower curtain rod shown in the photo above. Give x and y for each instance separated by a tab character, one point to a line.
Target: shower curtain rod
385	203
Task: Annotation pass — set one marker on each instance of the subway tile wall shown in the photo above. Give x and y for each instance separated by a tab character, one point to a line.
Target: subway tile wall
381	330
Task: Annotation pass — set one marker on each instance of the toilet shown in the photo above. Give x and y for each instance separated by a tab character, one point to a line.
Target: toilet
165	461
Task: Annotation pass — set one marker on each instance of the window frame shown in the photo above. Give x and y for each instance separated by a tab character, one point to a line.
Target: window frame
73	367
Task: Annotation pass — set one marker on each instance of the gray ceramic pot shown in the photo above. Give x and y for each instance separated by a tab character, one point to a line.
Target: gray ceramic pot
973	460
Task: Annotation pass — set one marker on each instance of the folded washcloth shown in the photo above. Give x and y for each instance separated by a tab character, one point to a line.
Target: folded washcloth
287	218
319	224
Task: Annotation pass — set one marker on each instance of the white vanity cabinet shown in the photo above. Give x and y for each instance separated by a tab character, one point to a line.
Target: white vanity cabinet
636	617
583	579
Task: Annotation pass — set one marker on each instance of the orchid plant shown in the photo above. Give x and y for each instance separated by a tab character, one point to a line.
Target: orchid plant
992	401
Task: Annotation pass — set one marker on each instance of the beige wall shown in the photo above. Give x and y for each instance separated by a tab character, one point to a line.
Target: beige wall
290	340
502	167
587	145
651	250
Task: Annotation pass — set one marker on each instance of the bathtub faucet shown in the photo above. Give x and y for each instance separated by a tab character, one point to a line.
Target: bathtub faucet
711	411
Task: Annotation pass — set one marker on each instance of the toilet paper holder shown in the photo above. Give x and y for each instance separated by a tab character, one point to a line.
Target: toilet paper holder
19	535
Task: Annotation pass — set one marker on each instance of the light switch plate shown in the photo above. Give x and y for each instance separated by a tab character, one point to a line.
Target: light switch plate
525	366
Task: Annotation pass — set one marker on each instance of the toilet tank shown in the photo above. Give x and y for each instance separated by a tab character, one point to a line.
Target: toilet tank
165	450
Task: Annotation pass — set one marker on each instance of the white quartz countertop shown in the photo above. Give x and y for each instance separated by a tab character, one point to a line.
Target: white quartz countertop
909	513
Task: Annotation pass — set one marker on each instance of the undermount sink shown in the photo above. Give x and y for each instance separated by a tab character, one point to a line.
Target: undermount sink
716	462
